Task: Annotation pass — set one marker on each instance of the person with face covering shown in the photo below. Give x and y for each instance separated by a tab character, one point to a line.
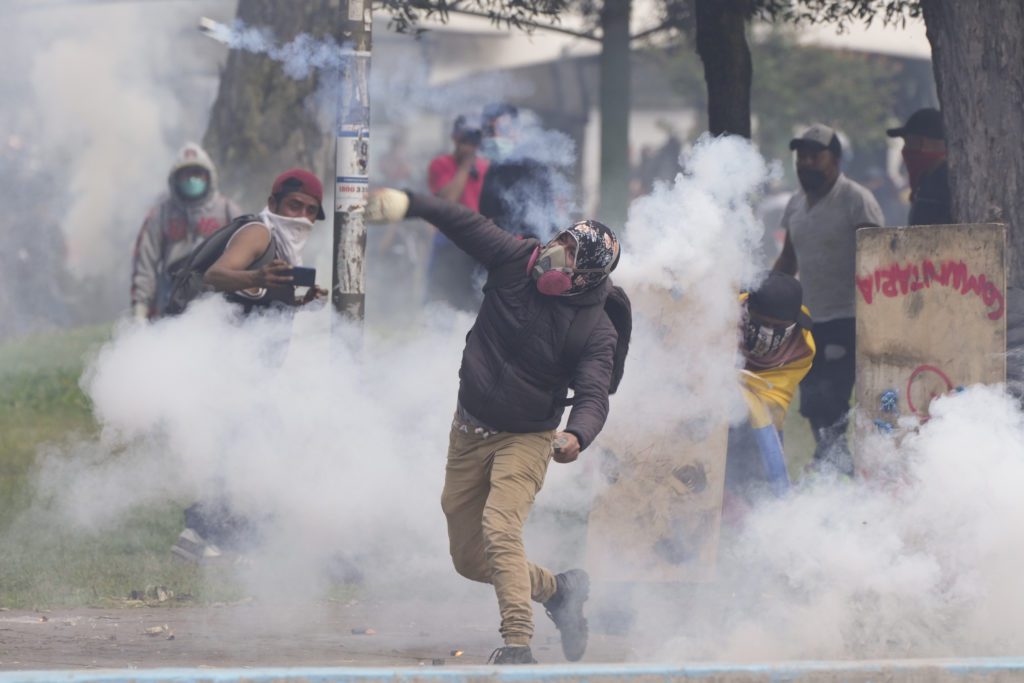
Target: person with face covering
924	155
513	387
253	270
519	192
821	222
777	349
190	212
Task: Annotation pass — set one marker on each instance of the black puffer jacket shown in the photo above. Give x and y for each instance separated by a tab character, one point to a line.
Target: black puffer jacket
512	374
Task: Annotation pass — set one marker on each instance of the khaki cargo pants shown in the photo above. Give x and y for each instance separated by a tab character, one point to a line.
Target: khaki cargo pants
489	486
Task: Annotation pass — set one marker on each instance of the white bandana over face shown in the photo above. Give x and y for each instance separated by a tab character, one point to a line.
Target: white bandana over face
291	233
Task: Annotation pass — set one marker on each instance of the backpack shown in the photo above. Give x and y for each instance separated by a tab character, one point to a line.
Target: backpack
187	274
617	307
619	310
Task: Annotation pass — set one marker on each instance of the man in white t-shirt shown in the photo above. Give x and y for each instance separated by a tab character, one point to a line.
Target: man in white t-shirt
821	223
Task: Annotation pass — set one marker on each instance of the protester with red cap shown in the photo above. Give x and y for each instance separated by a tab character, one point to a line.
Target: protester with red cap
254	268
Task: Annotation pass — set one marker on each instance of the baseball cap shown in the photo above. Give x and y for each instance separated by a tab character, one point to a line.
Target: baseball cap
926	122
464	131
818	135
300	180
781	297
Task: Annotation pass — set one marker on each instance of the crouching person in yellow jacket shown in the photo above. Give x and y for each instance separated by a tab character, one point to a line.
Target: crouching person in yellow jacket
777	348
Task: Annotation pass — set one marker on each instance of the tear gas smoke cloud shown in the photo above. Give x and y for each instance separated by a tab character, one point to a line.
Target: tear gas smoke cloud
919	560
299	57
328	453
694	241
547	210
107	112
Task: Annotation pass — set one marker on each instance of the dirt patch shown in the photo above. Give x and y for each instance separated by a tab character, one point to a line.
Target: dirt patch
322	634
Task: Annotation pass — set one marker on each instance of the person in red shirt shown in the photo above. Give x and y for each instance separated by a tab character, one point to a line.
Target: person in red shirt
457	177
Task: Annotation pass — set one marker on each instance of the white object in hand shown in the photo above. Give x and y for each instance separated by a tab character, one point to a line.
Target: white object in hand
386	206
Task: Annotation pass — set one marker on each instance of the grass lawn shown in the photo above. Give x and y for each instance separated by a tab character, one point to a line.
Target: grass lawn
43	563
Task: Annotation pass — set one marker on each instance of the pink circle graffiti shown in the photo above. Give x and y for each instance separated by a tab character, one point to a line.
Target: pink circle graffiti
920	370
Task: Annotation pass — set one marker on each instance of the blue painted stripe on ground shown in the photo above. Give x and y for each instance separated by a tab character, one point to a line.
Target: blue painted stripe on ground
561	673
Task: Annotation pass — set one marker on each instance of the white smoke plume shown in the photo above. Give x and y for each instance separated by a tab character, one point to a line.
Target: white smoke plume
694	242
920	562
299	57
111	100
327	453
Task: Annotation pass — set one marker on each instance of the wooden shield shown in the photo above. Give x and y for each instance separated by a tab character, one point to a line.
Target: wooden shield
658	519
931	318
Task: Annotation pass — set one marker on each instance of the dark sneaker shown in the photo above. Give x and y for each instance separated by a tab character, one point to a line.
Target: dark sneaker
511	654
566	610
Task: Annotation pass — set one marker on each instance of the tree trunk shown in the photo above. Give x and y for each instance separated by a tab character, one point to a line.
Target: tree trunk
722	46
264	121
615	106
978	59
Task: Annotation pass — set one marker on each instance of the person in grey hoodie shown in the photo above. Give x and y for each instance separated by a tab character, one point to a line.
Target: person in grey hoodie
513	390
191	210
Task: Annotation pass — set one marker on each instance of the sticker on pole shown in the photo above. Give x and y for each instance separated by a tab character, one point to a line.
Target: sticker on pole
352	183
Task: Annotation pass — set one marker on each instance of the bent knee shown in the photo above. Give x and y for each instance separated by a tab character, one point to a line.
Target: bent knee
501	528
473	569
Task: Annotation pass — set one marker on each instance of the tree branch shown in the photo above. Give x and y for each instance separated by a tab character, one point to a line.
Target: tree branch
444	9
525	22
664	26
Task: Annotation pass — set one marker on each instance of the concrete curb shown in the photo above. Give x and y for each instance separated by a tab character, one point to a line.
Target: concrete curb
919	670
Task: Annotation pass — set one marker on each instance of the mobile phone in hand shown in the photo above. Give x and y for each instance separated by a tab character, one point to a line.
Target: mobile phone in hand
302	277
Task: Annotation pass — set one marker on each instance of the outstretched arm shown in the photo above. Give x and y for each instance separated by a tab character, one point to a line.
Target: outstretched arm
471	232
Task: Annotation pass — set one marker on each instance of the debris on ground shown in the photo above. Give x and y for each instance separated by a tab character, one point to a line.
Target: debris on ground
159	593
154	631
456	653
363	631
151	596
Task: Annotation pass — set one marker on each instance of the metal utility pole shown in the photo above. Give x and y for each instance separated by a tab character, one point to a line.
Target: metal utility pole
348	288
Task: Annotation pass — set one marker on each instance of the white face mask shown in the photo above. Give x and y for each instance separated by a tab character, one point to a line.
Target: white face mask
292	234
497	148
